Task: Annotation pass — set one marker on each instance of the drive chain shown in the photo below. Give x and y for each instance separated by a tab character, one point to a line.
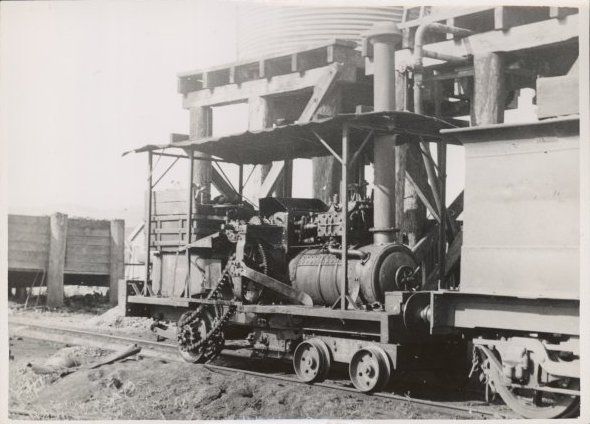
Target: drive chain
189	337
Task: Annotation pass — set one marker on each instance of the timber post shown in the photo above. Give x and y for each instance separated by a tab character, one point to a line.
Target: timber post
57	259
117	262
489	91
122	296
201	127
326	169
410	212
258	119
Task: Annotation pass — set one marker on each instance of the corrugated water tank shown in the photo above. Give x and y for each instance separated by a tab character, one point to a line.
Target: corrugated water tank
271	30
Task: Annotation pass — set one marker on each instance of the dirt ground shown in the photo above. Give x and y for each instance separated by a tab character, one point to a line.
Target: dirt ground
148	388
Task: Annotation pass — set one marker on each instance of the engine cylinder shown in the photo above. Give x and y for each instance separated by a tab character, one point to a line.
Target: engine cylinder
319	274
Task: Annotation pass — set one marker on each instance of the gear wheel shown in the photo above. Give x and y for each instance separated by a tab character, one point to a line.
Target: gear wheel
256	257
200	331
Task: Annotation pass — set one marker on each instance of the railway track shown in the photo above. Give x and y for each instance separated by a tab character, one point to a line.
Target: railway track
169	351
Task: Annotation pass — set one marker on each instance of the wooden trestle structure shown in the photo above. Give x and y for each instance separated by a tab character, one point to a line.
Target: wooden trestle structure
473	69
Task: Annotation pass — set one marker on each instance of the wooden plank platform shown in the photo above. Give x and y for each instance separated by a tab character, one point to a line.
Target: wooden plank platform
267	67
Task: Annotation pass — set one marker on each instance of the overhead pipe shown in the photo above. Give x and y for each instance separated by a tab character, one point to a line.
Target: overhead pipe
419	54
351	253
384	37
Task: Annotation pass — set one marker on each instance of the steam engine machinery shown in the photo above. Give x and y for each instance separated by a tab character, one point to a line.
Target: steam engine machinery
319	283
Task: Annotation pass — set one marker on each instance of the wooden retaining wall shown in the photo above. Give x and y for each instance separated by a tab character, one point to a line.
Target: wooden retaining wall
75	249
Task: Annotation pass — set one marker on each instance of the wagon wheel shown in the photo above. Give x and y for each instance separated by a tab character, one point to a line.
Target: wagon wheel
312	360
369	369
531	403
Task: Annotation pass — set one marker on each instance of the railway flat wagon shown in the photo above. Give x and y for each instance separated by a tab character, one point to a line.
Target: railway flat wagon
339	280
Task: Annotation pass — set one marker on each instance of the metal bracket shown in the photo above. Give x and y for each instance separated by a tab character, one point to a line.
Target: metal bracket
276	286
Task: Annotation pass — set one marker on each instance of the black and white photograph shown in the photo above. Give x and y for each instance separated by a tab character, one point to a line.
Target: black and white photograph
264	210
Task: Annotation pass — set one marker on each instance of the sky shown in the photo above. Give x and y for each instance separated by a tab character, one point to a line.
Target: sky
83	81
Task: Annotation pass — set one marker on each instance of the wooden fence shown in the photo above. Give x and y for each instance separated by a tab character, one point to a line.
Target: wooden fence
66	250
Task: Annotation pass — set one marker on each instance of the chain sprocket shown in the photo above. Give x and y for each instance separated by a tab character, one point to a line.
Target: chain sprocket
257	257
200	331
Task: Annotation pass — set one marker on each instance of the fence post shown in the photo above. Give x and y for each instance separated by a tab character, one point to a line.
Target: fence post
57	259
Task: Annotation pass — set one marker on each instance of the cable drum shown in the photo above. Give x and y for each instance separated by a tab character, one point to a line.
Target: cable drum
319	274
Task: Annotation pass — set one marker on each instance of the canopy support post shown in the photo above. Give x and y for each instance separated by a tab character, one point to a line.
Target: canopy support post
442	237
240	180
189	215
344	297
148	226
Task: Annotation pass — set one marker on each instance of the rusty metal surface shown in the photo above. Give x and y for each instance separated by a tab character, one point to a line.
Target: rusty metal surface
297	140
521	218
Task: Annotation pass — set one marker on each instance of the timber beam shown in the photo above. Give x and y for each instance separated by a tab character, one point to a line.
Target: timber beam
293	81
269	66
561	29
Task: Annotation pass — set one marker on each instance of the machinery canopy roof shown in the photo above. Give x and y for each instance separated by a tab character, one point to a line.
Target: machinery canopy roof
300	140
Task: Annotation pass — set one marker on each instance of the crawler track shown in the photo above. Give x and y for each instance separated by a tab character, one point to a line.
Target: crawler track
169	351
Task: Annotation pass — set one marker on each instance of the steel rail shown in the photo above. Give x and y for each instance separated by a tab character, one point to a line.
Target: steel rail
62	333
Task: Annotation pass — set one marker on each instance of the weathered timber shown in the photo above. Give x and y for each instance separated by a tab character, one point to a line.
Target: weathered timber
222	185
28	242
57	256
319	93
537	34
326	169
117	258
233	93
271	179
489	89
410	212
562	12
65	251
506	17
200	127
454	252
269	66
558	96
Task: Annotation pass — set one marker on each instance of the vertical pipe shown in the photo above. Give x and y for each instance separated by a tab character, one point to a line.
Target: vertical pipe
344	201
241	181
189	216
442	237
148	224
384	38
384	73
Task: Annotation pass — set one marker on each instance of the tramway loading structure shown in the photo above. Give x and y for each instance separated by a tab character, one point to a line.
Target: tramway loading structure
345	279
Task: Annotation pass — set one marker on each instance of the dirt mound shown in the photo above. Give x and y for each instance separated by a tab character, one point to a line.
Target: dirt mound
113	318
